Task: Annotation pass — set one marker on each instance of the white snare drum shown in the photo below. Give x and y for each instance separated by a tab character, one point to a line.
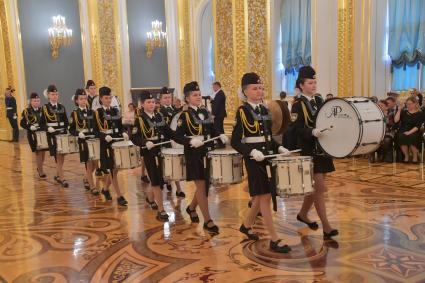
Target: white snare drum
66	144
226	166
126	155
173	164
93	146
293	175
357	123
41	140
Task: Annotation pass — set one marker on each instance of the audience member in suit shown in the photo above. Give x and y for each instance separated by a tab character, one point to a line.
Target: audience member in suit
219	108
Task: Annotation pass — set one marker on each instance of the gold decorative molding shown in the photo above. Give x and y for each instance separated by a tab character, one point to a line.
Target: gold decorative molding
185	42
345	48
259	46
240	42
105	45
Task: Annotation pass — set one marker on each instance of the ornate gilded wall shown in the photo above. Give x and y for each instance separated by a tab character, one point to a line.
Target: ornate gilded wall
185	42
345	48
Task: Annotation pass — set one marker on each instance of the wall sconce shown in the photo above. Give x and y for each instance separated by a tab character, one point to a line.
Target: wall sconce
156	38
59	35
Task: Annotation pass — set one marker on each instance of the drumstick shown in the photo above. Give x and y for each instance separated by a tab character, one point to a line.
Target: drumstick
327	129
160	143
212	139
280	154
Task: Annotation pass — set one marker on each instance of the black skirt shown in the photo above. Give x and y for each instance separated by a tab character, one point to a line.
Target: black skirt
195	167
153	166
84	150
323	164
413	139
106	156
258	180
51	141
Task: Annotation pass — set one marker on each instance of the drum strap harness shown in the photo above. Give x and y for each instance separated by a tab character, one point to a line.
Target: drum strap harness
307	118
197	130
31	119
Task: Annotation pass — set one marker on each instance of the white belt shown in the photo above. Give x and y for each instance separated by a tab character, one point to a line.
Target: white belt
55	124
201	138
153	138
84	131
110	131
35	125
254	139
9	108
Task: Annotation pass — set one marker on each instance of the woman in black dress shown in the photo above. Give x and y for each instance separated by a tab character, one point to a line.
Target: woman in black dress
411	120
303	113
30	120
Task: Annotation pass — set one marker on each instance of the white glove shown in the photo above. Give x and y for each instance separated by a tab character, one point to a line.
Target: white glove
149	145
33	128
108	138
317	133
125	136
196	143
81	135
257	155
283	150
224	139
50	130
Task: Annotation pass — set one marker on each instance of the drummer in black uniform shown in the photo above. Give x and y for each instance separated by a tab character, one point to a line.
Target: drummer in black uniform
91	93
81	126
303	114
55	121
108	127
30	120
149	129
168	111
252	137
193	128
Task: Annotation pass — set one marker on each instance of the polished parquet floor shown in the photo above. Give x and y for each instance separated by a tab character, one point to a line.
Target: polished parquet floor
50	234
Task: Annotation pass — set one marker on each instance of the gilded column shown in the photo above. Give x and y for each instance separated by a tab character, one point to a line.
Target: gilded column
185	39
105	45
258	21
345	48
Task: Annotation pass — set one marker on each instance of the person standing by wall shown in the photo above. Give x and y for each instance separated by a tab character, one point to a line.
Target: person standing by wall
11	112
219	108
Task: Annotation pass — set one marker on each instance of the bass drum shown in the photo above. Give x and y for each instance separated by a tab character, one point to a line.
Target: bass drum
280	116
173	126
354	126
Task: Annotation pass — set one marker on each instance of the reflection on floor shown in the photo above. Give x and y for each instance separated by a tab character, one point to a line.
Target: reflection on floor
50	234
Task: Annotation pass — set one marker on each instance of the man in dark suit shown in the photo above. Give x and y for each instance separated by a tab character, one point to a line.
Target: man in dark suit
11	112
219	108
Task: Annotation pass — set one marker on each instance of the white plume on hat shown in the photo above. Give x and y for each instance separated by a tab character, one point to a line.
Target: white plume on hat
45	93
241	95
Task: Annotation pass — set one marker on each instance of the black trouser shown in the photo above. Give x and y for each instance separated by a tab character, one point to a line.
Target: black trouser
218	125
14	123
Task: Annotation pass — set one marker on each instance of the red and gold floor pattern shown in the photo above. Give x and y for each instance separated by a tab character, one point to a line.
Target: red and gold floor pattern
51	234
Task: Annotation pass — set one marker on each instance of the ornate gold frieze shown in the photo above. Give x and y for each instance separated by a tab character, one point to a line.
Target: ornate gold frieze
345	48
185	39
258	14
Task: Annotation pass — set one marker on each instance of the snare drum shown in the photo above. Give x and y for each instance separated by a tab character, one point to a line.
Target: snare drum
356	126
41	140
293	175
126	155
226	166
173	164
93	147
66	144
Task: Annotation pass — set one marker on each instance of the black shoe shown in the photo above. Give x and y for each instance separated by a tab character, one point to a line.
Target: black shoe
194	218
274	246
180	194
212	229
94	192
42	176
162	216
65	184
152	204
312	225
122	201
107	194
249	204
57	179
328	236
145	179
169	187
248	232
98	172
86	184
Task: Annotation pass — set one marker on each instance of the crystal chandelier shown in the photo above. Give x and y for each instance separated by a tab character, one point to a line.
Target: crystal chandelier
59	35
156	38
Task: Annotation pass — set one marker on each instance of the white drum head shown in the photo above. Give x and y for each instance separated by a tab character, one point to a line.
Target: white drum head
172	151
122	144
223	151
342	118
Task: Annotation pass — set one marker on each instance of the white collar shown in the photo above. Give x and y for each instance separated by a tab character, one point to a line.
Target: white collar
217	91
35	109
168	106
106	108
308	97
254	105
82	108
194	107
53	104
150	115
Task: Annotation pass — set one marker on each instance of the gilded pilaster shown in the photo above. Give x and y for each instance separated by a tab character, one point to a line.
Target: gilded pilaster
345	48
185	42
240	51
105	45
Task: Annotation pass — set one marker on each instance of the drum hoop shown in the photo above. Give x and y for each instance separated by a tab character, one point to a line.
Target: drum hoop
358	118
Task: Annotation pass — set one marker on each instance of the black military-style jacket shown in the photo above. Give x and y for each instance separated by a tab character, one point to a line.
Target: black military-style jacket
253	125
55	117
82	120
107	122
168	112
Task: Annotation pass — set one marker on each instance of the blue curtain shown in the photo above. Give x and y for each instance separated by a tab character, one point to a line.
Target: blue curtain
296	33
291	78
405	77
406	42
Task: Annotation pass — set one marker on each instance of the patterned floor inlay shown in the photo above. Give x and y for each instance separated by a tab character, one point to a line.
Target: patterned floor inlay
50	234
